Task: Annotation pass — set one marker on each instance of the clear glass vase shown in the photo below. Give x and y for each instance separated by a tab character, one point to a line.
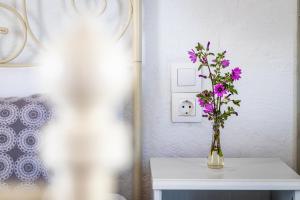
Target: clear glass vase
215	158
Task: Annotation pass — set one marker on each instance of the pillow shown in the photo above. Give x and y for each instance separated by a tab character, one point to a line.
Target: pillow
21	121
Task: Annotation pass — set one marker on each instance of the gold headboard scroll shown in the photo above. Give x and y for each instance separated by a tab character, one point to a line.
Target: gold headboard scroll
6	62
24	24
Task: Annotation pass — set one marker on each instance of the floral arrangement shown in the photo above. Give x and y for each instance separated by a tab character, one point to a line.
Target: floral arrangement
218	103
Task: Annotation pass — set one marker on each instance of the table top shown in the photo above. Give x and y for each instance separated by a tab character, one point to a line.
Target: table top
237	174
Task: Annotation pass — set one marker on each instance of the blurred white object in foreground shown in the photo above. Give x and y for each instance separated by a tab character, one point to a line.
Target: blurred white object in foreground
87	76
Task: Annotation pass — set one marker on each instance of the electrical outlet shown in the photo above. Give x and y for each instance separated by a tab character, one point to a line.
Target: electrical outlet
185	108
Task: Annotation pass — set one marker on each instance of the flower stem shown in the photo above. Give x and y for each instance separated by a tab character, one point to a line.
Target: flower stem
212	86
216	142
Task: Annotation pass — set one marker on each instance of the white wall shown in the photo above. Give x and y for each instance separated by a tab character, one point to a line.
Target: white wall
260	37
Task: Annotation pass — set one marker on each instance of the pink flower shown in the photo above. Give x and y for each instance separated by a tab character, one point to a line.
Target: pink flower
208	108
192	55
201	102
225	63
236	74
220	90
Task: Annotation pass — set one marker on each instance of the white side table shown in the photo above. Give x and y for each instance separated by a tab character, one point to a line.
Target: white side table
238	174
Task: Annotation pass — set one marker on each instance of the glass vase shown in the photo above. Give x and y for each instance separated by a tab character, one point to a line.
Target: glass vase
215	158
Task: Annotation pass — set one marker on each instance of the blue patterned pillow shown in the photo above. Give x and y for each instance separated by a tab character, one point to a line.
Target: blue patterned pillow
21	120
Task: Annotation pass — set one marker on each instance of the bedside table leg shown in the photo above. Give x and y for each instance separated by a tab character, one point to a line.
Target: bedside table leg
296	195
157	195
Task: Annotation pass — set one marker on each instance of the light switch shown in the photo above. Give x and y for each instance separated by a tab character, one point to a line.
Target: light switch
186	77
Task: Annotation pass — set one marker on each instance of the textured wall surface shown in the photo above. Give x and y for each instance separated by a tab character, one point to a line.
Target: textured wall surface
260	37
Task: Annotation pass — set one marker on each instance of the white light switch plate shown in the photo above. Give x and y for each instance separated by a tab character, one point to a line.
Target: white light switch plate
185	78
185	108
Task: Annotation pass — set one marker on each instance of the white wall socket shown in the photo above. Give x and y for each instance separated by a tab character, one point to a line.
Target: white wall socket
185	108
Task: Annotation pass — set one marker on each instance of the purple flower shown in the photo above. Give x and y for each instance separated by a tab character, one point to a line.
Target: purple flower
207	46
208	108
236	74
193	55
225	63
201	102
220	90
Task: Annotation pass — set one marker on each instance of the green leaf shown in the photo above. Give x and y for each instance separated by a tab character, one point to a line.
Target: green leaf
200	66
236	102
199	47
231	89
